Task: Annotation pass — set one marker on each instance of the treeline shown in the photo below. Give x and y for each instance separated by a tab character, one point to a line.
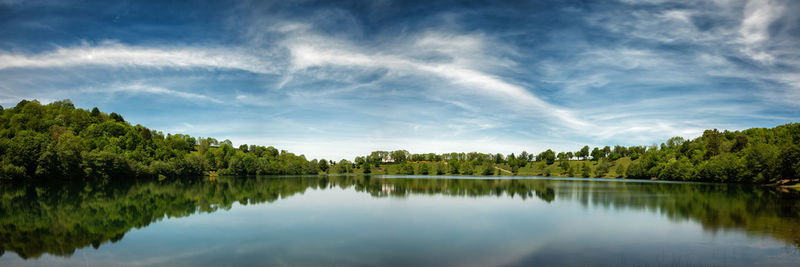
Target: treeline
757	155
58	140
473	163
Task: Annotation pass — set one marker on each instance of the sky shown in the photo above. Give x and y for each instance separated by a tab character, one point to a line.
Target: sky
337	79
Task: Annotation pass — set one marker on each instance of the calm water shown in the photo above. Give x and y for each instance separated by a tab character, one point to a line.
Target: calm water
398	221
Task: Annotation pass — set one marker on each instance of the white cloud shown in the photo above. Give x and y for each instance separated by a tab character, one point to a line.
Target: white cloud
740	27
349	147
444	90
458	68
121	56
754	30
734	31
11	102
758	15
141	88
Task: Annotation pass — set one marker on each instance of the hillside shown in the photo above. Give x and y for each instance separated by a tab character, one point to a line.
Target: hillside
60	141
757	155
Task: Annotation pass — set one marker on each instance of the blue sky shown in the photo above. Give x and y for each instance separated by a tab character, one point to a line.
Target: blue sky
338	79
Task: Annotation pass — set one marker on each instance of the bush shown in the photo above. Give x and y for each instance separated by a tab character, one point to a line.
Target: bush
11	171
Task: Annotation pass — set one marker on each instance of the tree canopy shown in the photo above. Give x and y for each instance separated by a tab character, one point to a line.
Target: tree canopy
58	140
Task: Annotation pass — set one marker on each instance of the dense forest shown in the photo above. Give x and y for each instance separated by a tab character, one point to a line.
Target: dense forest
58	140
88	213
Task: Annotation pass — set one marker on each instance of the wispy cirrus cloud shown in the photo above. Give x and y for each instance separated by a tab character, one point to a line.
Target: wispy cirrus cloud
456	59
111	54
754	30
138	88
336	80
758	32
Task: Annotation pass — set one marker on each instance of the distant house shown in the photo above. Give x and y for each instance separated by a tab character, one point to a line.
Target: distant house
387	159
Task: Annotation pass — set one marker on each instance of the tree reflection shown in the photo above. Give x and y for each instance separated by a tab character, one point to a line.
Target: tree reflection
59	218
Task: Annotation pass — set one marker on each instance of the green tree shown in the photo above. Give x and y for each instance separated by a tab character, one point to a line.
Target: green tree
467	168
525	156
366	168
762	162
453	167
725	167
620	170
548	156
405	168
360	161
676	169
423	169
68	151
323	165
586	171
565	165
583	153
602	168
439	169
790	162
95	112
399	155
498	158
713	141
116	117
487	169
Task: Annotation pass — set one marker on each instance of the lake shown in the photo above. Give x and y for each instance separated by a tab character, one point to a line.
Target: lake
398	221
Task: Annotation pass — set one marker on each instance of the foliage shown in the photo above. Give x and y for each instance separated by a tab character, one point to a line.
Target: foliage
59	141
487	168
548	156
467	168
602	168
620	170
586	171
440	169
423	169
406	168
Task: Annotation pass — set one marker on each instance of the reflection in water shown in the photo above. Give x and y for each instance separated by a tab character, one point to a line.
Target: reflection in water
59	218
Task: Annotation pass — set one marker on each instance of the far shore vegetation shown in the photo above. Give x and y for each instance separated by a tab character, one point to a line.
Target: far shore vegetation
59	141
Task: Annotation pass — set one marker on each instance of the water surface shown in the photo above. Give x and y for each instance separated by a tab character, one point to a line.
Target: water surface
398	221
